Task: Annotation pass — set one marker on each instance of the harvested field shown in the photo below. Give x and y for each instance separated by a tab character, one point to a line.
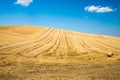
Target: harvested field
37	53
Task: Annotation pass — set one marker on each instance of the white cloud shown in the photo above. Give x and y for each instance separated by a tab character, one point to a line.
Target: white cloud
91	8
98	9
104	9
24	2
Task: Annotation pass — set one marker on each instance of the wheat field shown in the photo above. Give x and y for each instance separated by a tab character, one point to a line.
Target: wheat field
39	53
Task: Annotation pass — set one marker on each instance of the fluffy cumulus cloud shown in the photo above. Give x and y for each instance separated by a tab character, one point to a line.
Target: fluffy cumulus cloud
24	2
98	9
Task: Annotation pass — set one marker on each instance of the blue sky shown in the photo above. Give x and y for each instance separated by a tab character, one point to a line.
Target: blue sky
89	16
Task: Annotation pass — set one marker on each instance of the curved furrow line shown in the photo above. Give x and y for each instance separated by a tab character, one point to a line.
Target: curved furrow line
106	47
11	46
54	46
107	44
110	37
92	45
47	40
95	47
69	40
116	41
24	42
39	42
74	40
59	45
69	48
72	44
92	48
45	34
64	43
82	40
112	43
57	51
60	50
49	45
64	47
13	34
97	44
109	40
66	40
80	45
19	48
36	52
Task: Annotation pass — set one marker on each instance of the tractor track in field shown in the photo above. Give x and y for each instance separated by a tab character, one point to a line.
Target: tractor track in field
54	54
61	42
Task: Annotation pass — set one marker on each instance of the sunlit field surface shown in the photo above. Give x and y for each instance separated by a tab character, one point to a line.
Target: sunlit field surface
38	53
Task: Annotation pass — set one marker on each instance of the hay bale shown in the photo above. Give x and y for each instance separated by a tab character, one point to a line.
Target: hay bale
109	54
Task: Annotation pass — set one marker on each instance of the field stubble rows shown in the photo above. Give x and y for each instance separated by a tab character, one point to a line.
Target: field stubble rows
52	54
